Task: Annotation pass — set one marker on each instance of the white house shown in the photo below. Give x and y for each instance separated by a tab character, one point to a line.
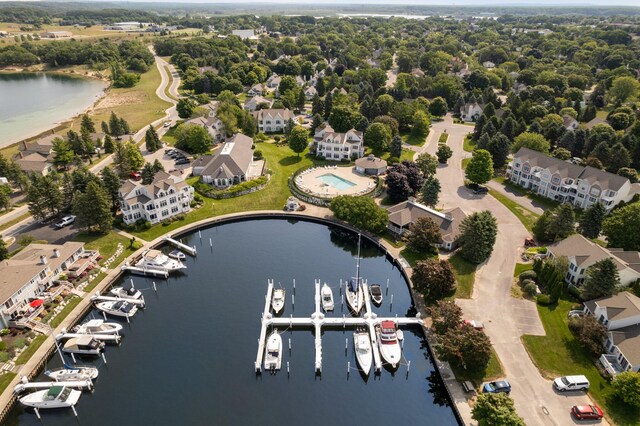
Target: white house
210	121
273	81
567	182
583	253
251	104
244	34
470	111
273	120
569	122
620	313
488	65
310	92
168	195
230	165
256	90
336	146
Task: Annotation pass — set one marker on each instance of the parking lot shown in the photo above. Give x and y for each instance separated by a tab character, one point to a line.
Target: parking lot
44	232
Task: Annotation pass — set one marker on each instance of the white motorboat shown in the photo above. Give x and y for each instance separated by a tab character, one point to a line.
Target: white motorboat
388	343
126	293
118	308
85	345
97	326
155	259
376	294
54	397
69	373
177	254
277	300
364	351
327	298
273	353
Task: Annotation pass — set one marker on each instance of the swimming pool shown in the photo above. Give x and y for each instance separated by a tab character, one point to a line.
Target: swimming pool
336	181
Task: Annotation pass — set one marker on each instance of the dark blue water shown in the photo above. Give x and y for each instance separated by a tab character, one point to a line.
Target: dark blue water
188	358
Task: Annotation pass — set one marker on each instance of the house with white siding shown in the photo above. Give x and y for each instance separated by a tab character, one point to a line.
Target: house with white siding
251	104
273	120
471	111
336	146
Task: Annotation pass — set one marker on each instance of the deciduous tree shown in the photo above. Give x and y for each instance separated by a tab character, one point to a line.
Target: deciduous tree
532	141
427	163
590	333
377	137
620	227
298	139
434	278
627	386
466	347
480	167
422	235
444	153
361	212
445	315
496	409
430	191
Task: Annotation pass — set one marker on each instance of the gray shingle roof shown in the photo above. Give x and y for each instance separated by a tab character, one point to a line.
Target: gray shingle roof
408	212
233	159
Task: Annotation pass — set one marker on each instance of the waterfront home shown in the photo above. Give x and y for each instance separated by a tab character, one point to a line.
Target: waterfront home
402	215
32	271
251	104
167	196
336	146
273	120
620	313
583	253
231	164
567	182
471	111
34	163
371	165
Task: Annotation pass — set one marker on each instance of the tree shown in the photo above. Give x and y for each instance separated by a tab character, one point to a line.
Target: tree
62	153
480	167
111	184
496	409
601	279
590	333
532	141
627	387
421	123
423	234
624	89
466	347
157	166
109	146
185	108
445	315
152	140
427	163
438	107
342	119
93	208
5	197
147	173
361	212
541	225
377	137
317	107
193	139
87	124
4	253
127	158
477	236
591	221
115	126
498	147
561	223
395	148
629	173
328	105
620	227
430	191
403	181
434	278
298	139
444	153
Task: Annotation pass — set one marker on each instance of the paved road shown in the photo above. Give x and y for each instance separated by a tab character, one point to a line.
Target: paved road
505	318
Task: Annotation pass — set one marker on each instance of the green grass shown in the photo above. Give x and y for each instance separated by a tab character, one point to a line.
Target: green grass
170	82
5	379
465	161
443	138
543	201
413	257
559	354
479	375
465	273
468	144
14	221
411	138
65	311
106	244
407	154
526	216
521	267
31	349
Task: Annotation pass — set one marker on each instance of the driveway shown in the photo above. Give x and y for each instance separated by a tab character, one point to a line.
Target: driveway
46	232
504	317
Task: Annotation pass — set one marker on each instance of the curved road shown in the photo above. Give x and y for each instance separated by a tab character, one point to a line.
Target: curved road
505	318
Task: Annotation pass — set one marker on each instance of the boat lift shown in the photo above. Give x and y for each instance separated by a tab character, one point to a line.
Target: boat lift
26	385
104	337
318	320
191	250
146	271
98	298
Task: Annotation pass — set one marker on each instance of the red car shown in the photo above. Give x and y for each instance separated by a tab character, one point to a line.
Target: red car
587	412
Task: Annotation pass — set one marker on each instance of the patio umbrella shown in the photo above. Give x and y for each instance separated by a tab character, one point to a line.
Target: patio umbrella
36	303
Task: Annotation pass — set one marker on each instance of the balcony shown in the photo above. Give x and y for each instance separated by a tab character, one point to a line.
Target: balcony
611	365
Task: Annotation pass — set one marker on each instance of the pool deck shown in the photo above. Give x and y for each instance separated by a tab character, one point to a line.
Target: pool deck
309	182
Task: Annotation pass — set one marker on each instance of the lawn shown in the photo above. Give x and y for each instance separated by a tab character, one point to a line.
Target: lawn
443	138
480	375
65	311
413	257
559	354
31	349
107	243
411	138
170	82
465	161
526	216
468	144
542	201
407	154
5	379
521	267
14	221
465	273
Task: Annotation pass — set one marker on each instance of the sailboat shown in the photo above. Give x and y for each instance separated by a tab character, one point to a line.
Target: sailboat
70	373
327	298
353	292
364	351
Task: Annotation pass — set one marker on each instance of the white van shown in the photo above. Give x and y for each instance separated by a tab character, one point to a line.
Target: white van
571	383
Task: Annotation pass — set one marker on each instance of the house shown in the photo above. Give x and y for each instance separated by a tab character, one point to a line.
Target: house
251	104
126	26
56	34
32	271
167	196
274	81
569	122
273	120
244	34
256	90
488	65
471	111
620	313
583	253
43	146
566	182
310	92
34	163
417	72
371	165
340	90
230	165
402	215
210	121
336	146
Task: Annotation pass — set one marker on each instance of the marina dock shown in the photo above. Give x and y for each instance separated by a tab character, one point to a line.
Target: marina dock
191	250
146	271
317	320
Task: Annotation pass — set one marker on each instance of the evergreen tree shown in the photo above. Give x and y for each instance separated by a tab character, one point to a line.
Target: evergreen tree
4	253
509	128
62	153
601	280
111	184
300	100
478	129
105	127
619	158
147	173
498	147
483	142
157	166
431	191
567	141
591	221
93	208
115	126
320	87
317	106
152	140
395	148
362	125
109	146
478	236
328	106
561	224
316	122
124	126
87	124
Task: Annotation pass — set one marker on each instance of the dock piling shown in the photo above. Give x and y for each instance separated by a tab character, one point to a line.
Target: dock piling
387	292
37	413
294	286
391	304
104	358
154	287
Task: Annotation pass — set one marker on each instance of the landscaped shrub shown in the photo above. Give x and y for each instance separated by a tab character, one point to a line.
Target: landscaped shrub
575	292
3	346
527	275
143	225
590	333
209	191
543	299
4	356
257	155
166	222
531	288
4	332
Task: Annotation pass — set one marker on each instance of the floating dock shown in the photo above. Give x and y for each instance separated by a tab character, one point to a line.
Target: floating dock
99	298
76	384
146	271
317	320
191	250
103	337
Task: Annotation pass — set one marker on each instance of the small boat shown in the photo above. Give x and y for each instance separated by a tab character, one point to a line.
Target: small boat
355	295
85	345
54	397
126	293
97	326
376	294
277	300
327	298
364	351
118	308
177	254
70	373
155	259
273	354
388	343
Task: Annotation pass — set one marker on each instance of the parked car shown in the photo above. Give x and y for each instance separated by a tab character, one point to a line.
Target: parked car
570	383
182	161
481	190
167	124
66	220
587	412
497	387
136	176
575	314
475	324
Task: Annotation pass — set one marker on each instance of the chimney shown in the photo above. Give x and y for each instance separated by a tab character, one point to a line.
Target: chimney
43	260
56	253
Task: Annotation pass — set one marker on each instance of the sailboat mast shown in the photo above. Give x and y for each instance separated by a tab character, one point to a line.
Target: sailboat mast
358	262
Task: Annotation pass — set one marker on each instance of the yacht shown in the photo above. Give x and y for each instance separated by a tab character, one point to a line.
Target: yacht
353	291
155	259
376	294
85	345
118	308
97	326
273	354
70	373
126	293
364	351
277	300
177	254
327	298
388	343
54	397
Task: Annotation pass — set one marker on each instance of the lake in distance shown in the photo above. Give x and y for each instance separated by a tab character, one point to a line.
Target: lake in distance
31	103
188	357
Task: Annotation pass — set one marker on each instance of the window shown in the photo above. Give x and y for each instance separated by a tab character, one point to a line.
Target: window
153	216
556	180
174	209
526	168
151	207
165	213
172	200
137	216
163	203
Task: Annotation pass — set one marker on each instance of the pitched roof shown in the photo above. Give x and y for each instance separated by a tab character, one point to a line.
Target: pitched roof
568	121
586	252
342	138
162	181
569	170
603	179
257	100
264	114
627	339
619	306
448	221
233	159
371	162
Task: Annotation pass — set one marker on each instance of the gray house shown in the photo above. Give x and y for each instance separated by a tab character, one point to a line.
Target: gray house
229	165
